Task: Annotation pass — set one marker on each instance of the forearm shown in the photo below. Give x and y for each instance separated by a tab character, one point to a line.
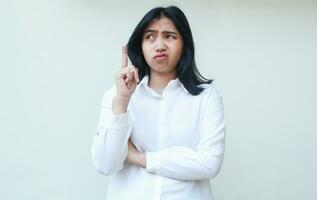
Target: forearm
134	156
185	163
110	148
179	162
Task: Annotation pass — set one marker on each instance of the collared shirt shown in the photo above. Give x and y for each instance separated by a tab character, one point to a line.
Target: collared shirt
182	136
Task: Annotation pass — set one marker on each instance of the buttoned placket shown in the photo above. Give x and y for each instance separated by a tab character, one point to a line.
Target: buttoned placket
162	110
161	135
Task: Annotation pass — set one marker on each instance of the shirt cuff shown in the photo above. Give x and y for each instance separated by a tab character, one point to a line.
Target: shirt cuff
153	161
119	121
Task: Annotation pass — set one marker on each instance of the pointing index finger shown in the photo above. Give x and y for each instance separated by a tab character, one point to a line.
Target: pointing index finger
124	57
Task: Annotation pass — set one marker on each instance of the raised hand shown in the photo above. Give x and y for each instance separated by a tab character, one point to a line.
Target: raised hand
126	82
127	77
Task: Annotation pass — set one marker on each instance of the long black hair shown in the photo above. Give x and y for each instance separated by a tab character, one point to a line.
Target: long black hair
186	69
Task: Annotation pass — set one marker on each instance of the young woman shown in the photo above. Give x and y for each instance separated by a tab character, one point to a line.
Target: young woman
161	126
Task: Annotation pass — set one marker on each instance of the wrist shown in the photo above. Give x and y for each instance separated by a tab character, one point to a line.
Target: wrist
120	104
122	98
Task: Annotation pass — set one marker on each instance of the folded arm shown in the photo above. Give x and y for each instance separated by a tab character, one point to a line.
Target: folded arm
110	143
203	162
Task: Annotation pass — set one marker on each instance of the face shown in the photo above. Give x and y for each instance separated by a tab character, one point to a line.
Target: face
162	46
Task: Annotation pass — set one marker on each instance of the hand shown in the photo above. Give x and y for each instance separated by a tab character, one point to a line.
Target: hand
126	78
126	81
134	156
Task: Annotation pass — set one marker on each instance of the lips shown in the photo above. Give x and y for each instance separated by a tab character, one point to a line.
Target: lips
160	56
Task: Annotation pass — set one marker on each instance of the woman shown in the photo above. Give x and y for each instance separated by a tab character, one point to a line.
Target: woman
161	127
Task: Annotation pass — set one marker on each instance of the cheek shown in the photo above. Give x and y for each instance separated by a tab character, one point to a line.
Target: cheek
178	50
145	51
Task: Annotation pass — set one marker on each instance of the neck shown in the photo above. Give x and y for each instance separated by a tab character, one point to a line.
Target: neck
159	81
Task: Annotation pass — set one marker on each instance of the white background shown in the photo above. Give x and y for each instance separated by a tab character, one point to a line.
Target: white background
57	58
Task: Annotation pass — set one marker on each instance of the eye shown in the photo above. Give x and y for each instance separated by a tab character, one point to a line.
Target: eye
149	37
170	36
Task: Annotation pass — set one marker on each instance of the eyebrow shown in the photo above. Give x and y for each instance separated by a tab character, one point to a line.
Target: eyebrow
167	32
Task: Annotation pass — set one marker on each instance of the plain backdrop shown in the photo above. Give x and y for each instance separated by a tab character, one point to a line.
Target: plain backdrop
57	57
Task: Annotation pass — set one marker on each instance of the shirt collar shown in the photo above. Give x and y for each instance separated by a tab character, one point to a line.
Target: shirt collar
174	82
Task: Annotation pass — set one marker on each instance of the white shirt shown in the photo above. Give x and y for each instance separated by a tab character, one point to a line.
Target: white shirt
182	135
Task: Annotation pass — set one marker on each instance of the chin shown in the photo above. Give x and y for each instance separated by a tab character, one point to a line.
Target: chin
162	71
162	68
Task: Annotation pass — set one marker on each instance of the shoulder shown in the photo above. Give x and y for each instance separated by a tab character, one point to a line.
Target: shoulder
210	91
212	101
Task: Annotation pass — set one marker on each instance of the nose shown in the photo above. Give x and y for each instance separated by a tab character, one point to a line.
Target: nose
160	46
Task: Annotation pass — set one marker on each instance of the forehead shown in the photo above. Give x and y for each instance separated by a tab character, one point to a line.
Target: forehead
163	23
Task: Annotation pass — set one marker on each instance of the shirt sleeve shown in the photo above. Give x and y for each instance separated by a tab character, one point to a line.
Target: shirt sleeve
109	147
203	162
